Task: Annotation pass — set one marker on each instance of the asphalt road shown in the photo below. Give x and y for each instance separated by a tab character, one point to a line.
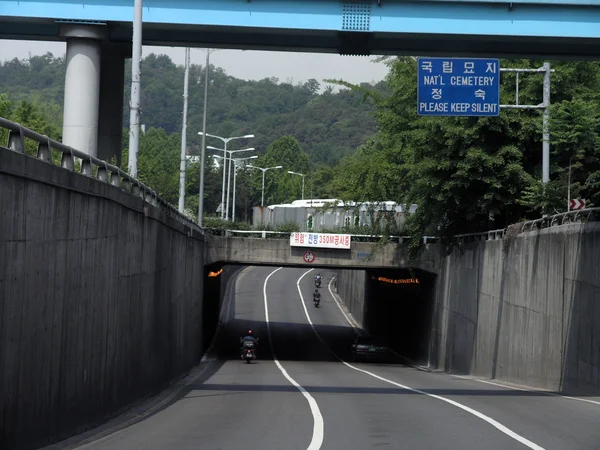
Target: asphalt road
309	399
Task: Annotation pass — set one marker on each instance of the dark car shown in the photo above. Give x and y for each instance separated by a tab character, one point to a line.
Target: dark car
370	348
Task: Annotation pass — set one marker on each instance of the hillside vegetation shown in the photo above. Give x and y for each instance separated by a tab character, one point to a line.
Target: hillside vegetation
365	143
328	126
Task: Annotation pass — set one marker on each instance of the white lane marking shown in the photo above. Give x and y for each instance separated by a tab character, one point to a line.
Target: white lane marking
318	425
494	423
506	386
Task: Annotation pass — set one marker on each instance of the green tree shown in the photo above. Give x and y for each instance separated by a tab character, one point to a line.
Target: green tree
466	174
281	187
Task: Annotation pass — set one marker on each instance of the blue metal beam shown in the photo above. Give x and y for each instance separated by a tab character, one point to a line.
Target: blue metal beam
521	2
536	28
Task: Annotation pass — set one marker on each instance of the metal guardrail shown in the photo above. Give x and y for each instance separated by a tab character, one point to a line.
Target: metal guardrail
286	234
106	172
576	216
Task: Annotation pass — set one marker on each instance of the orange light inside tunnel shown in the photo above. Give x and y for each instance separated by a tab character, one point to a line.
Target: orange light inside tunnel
215	274
397	281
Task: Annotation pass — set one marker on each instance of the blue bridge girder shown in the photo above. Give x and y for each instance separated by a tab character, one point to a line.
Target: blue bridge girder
518	28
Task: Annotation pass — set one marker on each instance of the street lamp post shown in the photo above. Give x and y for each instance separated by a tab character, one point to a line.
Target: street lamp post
235	161
226	153
224	150
302	175
202	153
264	170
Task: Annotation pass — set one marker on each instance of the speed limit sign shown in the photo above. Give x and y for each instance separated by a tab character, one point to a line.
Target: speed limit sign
308	257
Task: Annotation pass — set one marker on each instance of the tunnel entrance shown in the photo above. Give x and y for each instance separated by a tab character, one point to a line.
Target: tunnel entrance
217	278
398	307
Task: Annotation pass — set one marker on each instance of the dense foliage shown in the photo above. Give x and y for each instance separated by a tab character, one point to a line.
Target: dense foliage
466	174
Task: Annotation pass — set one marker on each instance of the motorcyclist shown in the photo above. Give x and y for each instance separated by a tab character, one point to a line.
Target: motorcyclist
318	276
248	342
317	295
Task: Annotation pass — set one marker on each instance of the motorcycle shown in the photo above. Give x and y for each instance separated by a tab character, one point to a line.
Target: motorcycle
316	301
248	352
249	355
318	282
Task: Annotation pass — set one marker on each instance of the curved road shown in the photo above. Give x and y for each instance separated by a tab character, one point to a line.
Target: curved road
310	399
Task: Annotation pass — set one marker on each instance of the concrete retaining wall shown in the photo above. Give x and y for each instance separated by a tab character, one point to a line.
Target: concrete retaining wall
524	310
350	286
100	301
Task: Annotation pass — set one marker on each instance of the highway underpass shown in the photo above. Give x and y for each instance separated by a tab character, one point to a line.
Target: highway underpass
399	306
309	399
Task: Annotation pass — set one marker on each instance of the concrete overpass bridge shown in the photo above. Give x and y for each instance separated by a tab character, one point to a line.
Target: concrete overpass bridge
274	249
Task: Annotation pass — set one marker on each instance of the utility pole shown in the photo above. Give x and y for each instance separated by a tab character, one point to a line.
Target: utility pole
134	105
546	125
203	151
182	164
569	186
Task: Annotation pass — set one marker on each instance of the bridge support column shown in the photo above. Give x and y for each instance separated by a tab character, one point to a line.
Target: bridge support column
112	86
82	87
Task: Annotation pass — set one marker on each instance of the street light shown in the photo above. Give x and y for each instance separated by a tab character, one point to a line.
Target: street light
235	161
264	170
229	152
301	175
202	133
225	142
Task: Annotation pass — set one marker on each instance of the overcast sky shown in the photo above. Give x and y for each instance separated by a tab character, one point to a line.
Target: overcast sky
247	65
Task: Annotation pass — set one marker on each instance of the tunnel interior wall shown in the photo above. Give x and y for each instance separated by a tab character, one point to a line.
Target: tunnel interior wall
399	305
218	279
350	286
100	301
525	309
396	304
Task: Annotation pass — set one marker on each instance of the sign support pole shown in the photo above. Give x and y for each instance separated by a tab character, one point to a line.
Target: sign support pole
545	106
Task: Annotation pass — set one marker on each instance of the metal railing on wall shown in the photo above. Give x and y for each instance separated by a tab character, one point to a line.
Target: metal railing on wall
264	234
576	216
104	172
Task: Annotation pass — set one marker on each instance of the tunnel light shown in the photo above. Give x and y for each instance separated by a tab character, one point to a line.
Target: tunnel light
215	274
397	281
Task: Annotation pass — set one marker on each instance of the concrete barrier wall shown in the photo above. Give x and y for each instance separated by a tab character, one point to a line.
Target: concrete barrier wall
350	286
100	301
524	310
256	251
